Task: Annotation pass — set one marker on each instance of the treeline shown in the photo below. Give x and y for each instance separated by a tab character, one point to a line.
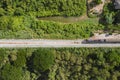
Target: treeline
25	64
41	8
60	64
26	27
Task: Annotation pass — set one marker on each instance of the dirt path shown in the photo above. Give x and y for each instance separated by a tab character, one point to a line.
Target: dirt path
65	19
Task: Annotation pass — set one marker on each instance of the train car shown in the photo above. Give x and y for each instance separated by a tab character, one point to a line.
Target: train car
112	40
92	41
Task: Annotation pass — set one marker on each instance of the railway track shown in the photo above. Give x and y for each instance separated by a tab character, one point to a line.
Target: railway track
51	43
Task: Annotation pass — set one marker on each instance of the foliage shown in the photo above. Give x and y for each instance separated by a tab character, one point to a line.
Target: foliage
87	64
69	64
20	19
3	57
83	29
43	7
111	16
2	12
113	57
10	72
98	1
4	23
117	18
21	59
26	27
43	59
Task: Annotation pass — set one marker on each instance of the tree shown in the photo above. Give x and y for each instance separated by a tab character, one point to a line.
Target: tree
42	60
21	59
3	57
113	57
117	18
10	72
4	22
2	12
109	18
19	11
98	1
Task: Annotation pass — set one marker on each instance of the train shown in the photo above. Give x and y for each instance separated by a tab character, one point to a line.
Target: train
101	41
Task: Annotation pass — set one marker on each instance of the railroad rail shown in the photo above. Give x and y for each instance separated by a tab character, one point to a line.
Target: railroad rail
12	43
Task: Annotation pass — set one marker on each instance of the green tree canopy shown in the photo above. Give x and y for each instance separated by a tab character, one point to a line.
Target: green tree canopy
10	72
21	59
42	59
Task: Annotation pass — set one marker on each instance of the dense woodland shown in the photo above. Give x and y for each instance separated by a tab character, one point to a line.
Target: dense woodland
60	64
41	8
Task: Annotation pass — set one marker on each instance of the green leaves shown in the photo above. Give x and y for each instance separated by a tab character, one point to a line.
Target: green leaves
10	72
109	18
60	63
2	12
43	59
21	59
43	7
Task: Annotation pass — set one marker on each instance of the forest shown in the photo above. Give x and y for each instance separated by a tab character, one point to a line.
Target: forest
41	8
60	64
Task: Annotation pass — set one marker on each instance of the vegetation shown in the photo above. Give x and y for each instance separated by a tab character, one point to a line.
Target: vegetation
111	17
69	64
20	60
43	7
98	1
42	59
10	72
20	19
28	27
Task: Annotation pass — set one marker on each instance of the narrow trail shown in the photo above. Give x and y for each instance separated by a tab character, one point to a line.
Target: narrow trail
65	20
